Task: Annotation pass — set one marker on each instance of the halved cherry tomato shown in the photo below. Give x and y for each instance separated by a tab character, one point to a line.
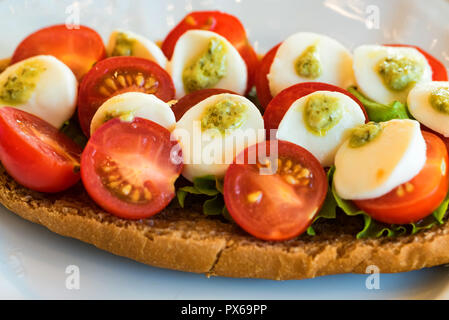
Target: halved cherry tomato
282	102
118	75
129	168
420	196
79	48
36	154
277	206
261	80
190	100
438	68
445	139
222	23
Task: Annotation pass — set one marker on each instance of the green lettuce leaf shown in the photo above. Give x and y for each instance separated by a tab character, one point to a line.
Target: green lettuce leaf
380	112
227	215
435	219
374	229
329	208
214	206
210	187
206	185
72	129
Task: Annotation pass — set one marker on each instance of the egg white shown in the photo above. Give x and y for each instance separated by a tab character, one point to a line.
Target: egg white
193	44
54	97
421	109
371	84
198	147
293	129
142	47
336	62
135	104
376	168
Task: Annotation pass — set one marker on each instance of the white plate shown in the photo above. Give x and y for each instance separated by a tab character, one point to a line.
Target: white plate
33	260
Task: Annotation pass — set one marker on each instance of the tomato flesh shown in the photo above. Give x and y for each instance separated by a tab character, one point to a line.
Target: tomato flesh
282	102
118	75
261	80
443	138
439	71
420	196
35	153
79	48
129	168
277	206
192	99
222	23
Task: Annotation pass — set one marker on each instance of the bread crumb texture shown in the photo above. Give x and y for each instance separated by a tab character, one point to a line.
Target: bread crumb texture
186	240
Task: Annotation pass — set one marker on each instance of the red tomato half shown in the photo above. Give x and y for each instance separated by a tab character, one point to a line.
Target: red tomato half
192	99
282	102
129	168
118	75
445	139
279	206
79	48
420	196
35	153
438	68
224	24
261	80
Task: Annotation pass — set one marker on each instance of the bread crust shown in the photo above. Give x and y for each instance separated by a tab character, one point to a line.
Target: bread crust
185	240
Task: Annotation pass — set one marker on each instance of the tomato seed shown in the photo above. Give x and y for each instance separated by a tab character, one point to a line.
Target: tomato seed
147	194
291	180
104	91
121	80
140	80
400	191
255	197
111	84
409	187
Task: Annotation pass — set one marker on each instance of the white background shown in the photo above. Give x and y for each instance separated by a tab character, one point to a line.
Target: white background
33	260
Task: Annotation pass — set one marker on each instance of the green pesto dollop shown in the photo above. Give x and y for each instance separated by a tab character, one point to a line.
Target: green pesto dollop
321	113
224	116
439	100
308	65
399	73
123	45
127	116
19	86
208	69
363	134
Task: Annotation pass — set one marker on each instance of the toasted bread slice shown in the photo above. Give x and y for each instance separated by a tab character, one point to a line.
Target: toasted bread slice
186	240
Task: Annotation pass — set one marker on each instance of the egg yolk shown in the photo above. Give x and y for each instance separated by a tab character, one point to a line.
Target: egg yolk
363	134
399	73
439	100
322	113
126	116
308	64
224	116
19	86
123	45
208	69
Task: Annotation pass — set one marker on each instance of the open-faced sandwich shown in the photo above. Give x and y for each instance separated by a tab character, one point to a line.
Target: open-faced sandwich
196	155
